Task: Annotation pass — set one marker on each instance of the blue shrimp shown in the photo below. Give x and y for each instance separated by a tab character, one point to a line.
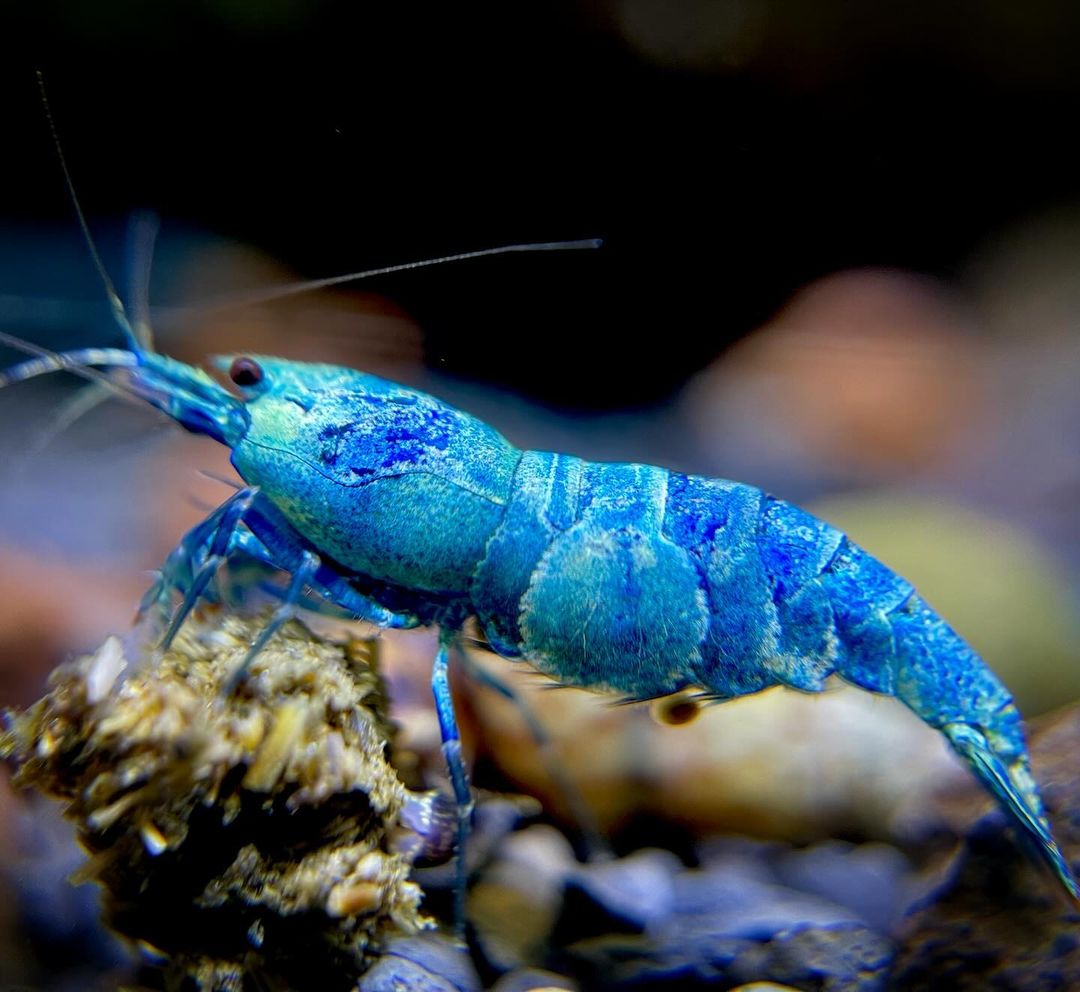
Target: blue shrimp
387	504
392	507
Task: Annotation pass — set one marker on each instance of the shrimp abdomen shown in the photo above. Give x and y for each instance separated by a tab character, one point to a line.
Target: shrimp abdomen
892	641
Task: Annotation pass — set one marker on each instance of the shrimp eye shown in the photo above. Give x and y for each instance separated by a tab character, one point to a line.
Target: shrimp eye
245	372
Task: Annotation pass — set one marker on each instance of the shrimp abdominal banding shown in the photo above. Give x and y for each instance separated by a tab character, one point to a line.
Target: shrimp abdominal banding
400	510
384	503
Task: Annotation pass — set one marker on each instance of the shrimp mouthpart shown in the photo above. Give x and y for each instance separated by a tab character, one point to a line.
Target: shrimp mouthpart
185	393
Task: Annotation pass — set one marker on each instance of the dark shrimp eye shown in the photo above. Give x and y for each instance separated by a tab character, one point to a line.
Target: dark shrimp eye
245	372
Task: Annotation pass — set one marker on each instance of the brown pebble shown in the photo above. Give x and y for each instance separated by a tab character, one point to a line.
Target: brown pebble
359	897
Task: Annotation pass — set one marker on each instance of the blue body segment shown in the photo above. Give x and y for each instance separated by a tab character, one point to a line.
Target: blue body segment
370	471
393	507
618	577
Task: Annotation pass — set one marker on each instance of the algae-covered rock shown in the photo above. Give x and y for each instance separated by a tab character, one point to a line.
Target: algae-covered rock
246	838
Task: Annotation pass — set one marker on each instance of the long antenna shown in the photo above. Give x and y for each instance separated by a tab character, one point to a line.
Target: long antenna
142	233
115	302
137	332
272	293
76	362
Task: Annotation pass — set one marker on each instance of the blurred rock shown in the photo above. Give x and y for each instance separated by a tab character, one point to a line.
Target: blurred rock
509	929
732	903
778	764
845	958
764	987
752	911
837	959
872	880
864	376
533	980
625	895
424	963
512	909
58	923
646	922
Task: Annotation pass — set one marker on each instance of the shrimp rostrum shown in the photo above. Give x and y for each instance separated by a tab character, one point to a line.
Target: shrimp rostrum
387	504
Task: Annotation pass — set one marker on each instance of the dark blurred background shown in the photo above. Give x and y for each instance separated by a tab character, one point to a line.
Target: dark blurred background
728	151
